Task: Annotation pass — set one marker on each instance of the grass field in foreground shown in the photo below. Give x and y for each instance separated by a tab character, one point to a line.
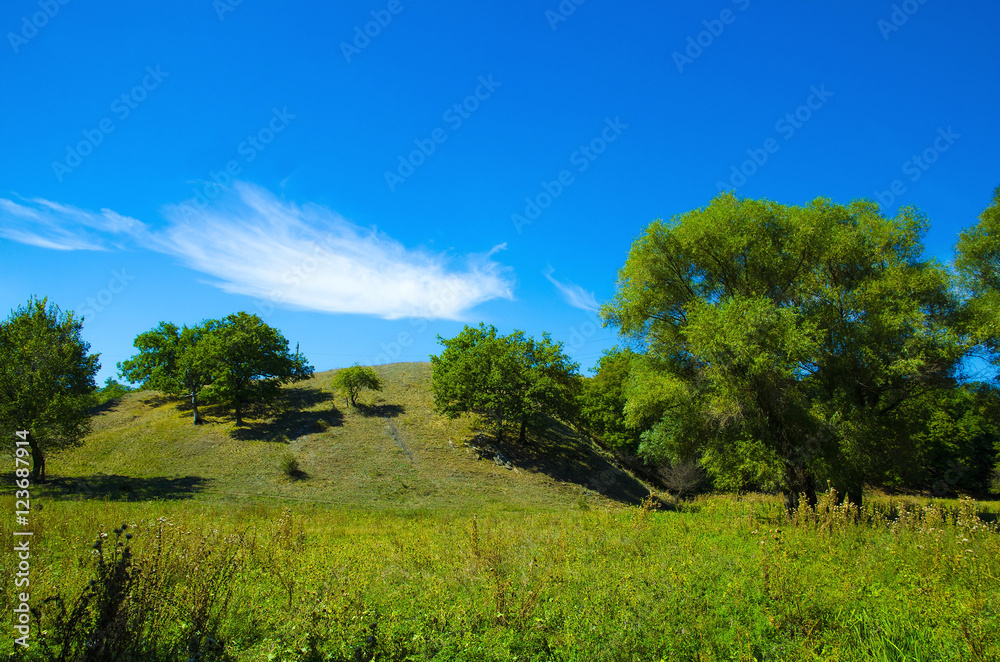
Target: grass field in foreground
722	579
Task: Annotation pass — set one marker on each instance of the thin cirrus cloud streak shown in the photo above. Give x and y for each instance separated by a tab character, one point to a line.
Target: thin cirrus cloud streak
573	294
46	224
254	244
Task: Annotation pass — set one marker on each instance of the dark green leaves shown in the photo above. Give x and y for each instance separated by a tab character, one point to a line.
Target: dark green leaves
766	326
503	379
239	360
46	377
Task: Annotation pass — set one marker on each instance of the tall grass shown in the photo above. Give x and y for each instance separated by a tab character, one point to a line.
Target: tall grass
723	578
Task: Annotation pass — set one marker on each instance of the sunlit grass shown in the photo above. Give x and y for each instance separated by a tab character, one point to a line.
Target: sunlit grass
391	451
722	579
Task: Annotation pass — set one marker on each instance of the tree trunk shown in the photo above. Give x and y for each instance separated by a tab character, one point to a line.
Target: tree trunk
524	429
799	481
194	401
37	461
852	492
854	495
239	413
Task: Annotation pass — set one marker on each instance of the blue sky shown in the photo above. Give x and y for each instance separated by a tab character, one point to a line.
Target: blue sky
459	162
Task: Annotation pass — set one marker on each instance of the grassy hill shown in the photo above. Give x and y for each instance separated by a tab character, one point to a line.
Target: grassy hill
391	451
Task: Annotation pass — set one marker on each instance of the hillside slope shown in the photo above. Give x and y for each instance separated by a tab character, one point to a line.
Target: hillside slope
392	451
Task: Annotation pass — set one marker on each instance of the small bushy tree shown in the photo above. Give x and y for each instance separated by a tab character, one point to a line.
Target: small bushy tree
46	379
503	380
351	381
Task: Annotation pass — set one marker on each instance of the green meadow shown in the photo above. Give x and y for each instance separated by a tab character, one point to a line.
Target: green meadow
395	540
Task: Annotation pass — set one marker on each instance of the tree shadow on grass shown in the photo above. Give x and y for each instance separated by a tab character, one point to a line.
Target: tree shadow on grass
289	418
106	406
122	488
565	455
296	475
157	399
380	410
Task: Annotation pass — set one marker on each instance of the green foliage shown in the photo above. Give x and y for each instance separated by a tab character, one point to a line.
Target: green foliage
781	339
239	360
503	379
112	390
46	379
602	400
978	261
950	437
253	361
351	381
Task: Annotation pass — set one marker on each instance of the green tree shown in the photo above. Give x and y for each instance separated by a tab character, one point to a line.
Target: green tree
602	401
46	379
351	381
951	436
112	390
504	380
978	262
252	361
179	361
470	376
780	339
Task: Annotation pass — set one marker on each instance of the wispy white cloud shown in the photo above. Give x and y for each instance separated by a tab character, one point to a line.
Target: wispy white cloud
573	294
310	257
255	244
46	224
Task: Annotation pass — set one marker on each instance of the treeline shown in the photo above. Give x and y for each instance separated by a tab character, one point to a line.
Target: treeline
777	347
783	347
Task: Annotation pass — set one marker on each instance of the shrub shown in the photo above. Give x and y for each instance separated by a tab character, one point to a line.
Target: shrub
290	466
351	381
682	478
112	390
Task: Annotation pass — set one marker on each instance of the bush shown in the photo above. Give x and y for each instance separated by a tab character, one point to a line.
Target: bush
112	390
290	466
682	478
351	381
995	481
